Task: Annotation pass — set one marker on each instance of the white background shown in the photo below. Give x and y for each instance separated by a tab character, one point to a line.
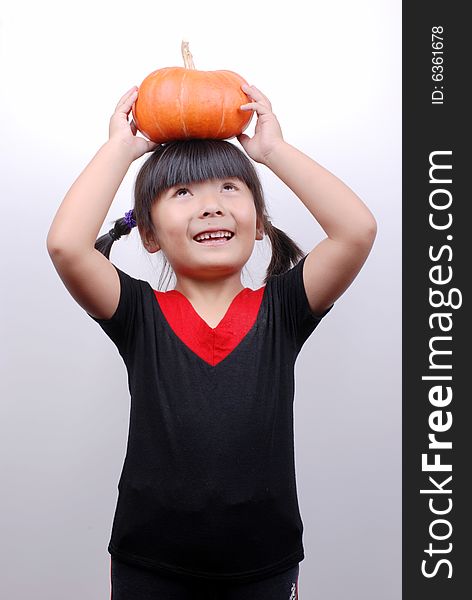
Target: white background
333	73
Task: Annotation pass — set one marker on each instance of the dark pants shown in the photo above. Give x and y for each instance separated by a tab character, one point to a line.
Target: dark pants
130	582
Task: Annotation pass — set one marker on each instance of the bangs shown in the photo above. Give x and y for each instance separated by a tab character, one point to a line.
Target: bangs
196	160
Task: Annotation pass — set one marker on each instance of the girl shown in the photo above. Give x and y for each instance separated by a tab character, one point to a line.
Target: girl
207	504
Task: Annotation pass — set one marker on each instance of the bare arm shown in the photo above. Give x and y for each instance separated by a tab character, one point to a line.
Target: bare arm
84	208
88	275
332	264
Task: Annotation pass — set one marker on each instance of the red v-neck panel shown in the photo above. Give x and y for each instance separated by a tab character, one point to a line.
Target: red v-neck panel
211	344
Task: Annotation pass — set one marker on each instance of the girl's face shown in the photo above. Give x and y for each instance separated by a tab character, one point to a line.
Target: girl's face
183	212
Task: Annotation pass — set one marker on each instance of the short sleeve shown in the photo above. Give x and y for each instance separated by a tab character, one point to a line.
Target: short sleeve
123	324
295	310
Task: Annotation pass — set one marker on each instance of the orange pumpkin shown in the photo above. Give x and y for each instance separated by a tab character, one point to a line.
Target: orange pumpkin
177	103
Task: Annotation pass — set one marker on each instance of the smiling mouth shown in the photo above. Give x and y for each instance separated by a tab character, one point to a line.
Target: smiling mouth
215	241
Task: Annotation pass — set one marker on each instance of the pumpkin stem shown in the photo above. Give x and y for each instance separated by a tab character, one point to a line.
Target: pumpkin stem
187	55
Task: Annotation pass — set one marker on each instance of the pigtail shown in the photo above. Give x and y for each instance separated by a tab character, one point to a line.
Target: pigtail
285	252
122	226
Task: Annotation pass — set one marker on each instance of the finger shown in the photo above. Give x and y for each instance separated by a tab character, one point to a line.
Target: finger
259	107
260	102
256	94
261	94
125	109
127	95
130	96
243	139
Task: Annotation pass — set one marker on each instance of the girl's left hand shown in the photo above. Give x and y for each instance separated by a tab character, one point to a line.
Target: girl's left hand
267	133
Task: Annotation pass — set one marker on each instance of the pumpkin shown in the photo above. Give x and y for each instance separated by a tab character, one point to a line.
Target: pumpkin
178	103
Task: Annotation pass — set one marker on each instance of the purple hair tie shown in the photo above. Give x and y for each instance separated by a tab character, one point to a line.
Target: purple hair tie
129	219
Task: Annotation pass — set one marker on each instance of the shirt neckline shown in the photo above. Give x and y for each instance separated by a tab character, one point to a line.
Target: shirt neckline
227	315
209	332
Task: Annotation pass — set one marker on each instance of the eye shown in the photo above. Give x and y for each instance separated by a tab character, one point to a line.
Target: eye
230	185
178	192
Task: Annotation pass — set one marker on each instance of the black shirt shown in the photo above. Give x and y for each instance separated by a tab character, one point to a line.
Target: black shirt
208	486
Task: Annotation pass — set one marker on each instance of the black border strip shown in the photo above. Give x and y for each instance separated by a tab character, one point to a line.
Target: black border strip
436	349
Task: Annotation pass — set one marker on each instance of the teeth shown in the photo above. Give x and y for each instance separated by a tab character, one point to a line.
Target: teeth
214	234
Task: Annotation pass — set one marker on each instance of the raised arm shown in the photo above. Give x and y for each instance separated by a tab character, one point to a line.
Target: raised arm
87	274
333	263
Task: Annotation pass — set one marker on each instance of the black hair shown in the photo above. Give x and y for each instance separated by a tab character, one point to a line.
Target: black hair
195	160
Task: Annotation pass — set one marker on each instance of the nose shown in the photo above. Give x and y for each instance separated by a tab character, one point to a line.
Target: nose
210	202
211	207
211	212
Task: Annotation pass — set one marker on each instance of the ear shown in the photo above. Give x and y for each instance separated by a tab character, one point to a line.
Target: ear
259	229
149	242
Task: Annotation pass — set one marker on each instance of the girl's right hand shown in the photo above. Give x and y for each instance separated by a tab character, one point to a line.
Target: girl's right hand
122	130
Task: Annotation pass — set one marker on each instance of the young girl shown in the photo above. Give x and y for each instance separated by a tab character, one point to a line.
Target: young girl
207	504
